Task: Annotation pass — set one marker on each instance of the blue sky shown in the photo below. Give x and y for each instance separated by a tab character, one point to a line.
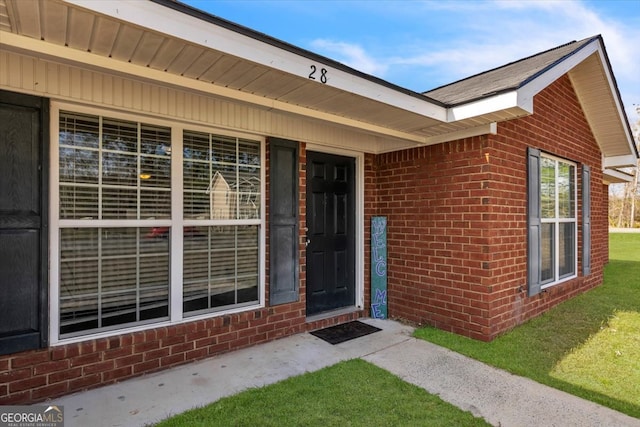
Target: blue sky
421	45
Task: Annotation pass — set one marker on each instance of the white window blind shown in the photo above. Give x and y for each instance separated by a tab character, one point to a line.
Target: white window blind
112	170
222	190
111	276
115	225
221	177
220	267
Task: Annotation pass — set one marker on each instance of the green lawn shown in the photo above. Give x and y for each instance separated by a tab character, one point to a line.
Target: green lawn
588	346
351	393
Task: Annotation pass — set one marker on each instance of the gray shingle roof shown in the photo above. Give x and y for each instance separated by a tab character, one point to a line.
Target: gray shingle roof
506	78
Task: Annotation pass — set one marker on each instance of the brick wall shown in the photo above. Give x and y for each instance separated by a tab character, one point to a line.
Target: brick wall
34	376
457	221
435	199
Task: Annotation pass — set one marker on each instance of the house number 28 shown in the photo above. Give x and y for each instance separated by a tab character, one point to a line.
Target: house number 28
313	75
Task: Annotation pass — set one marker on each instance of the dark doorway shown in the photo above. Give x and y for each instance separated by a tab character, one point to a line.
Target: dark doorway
331	232
23	222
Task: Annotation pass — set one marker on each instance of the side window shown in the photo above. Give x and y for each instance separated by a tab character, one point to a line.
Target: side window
552	213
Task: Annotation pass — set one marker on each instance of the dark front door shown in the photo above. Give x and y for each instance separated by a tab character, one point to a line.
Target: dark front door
23	222
331	232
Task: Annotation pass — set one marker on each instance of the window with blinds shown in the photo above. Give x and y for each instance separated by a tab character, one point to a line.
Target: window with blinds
112	170
110	277
221	179
115	223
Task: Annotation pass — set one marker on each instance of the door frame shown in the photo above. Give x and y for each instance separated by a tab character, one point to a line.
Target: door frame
359	217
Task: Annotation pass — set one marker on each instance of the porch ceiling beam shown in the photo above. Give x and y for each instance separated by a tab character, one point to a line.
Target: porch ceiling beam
73	57
489	128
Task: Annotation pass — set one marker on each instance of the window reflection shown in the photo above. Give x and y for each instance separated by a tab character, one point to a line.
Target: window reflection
221	177
558	207
113	169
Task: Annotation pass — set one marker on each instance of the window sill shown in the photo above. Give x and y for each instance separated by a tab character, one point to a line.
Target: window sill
149	326
559	282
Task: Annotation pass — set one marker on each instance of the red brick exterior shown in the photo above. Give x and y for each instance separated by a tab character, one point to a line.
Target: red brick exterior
457	225
456	256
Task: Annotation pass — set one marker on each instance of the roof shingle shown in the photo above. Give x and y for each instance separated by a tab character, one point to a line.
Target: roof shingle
505	78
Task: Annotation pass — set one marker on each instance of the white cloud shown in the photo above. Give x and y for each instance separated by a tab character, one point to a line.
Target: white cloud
490	34
352	55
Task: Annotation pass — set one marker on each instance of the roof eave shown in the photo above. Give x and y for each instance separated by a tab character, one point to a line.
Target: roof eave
506	100
520	99
190	25
616	176
522	96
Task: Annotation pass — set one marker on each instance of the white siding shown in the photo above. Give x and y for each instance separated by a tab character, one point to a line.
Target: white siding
69	83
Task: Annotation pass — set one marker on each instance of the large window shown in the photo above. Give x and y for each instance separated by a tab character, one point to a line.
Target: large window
552	220
117	223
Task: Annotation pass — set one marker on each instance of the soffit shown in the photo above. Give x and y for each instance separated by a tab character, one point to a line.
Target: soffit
601	106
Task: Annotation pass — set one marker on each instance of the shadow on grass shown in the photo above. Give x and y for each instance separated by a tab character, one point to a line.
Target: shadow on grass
609	361
535	348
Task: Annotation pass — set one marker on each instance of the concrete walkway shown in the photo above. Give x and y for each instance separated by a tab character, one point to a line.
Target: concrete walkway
624	230
499	397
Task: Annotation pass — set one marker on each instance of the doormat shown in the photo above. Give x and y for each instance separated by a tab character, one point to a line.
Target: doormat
345	332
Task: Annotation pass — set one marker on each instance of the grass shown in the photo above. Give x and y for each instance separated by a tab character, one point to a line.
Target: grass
588	346
351	393
609	362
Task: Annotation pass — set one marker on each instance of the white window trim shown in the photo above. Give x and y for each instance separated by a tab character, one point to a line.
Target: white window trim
177	220
557	221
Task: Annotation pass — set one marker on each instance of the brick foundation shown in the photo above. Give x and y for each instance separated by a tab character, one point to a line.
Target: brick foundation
34	376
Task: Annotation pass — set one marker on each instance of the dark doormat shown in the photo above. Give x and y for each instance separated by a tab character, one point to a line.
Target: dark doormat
345	332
